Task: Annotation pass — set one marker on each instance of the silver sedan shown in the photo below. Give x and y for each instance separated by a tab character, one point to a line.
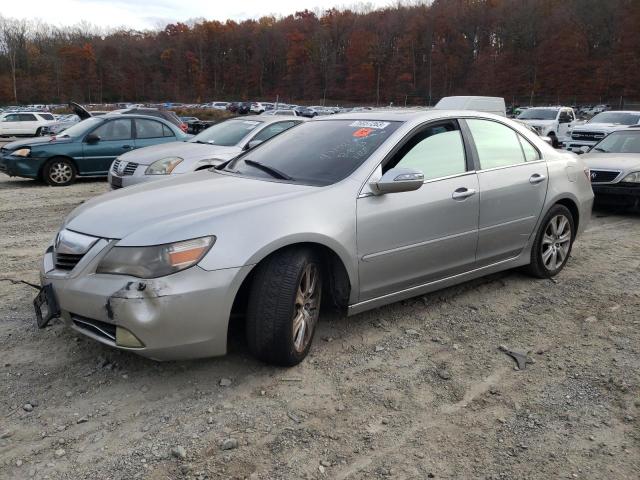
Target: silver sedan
351	211
213	146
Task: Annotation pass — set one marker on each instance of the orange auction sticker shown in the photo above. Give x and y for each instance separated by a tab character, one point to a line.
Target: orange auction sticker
362	132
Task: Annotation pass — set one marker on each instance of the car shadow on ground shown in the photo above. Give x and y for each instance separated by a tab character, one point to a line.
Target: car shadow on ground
28	183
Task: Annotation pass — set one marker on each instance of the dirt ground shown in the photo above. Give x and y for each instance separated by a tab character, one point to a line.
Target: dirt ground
415	390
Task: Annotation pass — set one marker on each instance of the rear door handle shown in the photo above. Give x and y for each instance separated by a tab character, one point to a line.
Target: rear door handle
462	193
536	178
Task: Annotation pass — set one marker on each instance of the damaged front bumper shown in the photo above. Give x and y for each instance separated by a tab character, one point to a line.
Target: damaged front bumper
180	316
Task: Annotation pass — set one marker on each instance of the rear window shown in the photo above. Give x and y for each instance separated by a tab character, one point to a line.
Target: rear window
317	153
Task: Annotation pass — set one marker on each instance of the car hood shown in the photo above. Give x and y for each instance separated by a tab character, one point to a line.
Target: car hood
587	127
612	161
539	123
32	142
185	150
175	209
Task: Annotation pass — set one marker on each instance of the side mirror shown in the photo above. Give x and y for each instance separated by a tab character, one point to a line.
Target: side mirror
584	149
252	144
92	138
398	180
547	140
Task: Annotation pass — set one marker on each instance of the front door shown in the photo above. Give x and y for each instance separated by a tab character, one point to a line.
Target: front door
513	188
410	238
115	138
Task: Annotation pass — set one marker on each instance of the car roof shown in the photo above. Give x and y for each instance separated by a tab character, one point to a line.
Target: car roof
405	115
266	118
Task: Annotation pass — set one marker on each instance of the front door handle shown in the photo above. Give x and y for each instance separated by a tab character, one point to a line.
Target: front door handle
127	147
536	178
462	193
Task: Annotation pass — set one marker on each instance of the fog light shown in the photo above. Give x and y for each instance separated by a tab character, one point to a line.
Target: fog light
124	338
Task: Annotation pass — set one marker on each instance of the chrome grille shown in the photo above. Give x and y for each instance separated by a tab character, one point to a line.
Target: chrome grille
603	176
66	261
589	136
129	168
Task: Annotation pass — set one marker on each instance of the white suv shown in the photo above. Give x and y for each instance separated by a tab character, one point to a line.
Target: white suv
550	121
583	137
25	123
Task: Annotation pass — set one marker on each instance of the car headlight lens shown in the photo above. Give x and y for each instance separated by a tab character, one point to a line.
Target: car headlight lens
21	152
164	166
632	178
155	261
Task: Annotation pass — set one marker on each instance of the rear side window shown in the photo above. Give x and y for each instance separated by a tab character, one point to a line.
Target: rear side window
114	130
437	152
148	129
530	153
27	117
497	144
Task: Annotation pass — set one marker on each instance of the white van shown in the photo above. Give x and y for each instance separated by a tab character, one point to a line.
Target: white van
493	105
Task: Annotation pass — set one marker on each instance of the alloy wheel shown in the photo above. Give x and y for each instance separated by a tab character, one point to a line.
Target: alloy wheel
307	307
60	172
556	242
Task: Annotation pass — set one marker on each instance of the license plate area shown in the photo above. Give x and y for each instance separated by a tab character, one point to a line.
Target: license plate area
46	306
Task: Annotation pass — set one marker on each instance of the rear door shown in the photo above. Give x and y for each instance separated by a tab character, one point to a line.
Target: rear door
28	124
151	132
407	239
116	138
513	187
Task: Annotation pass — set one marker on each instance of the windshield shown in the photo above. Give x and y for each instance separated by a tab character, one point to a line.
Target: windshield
620	142
315	153
616	117
81	128
226	134
539	114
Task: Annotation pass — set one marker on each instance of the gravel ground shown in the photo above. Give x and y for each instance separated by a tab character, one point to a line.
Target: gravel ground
417	389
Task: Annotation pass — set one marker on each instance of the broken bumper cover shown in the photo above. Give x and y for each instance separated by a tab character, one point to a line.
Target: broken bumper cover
181	316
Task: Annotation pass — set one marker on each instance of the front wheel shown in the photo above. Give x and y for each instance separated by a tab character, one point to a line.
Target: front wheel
59	172
284	306
553	242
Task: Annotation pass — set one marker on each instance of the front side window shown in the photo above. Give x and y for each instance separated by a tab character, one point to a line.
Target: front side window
315	153
437	152
228	133
148	128
497	144
273	130
11	118
114	130
539	114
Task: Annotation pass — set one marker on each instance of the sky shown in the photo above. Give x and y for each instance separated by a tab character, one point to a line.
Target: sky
154	14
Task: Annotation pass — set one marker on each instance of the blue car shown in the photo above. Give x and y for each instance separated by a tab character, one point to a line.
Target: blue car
85	149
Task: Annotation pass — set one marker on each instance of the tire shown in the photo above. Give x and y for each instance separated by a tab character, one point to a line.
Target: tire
552	247
284	306
555	143
39	132
59	172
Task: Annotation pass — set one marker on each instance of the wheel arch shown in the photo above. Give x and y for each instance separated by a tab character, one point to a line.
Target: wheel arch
572	206
53	157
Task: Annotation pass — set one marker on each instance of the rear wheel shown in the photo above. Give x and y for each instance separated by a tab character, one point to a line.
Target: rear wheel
59	172
552	246
284	306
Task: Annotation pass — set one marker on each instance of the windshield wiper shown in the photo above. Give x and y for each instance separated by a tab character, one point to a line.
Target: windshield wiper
270	170
598	149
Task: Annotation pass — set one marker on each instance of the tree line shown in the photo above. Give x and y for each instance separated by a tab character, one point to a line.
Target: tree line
571	50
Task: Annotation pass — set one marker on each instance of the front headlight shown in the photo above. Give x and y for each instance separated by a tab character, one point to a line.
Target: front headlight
21	152
164	166
155	261
633	177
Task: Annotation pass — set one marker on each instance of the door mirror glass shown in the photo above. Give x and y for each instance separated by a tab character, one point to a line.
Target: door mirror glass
398	179
92	138
584	149
547	140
